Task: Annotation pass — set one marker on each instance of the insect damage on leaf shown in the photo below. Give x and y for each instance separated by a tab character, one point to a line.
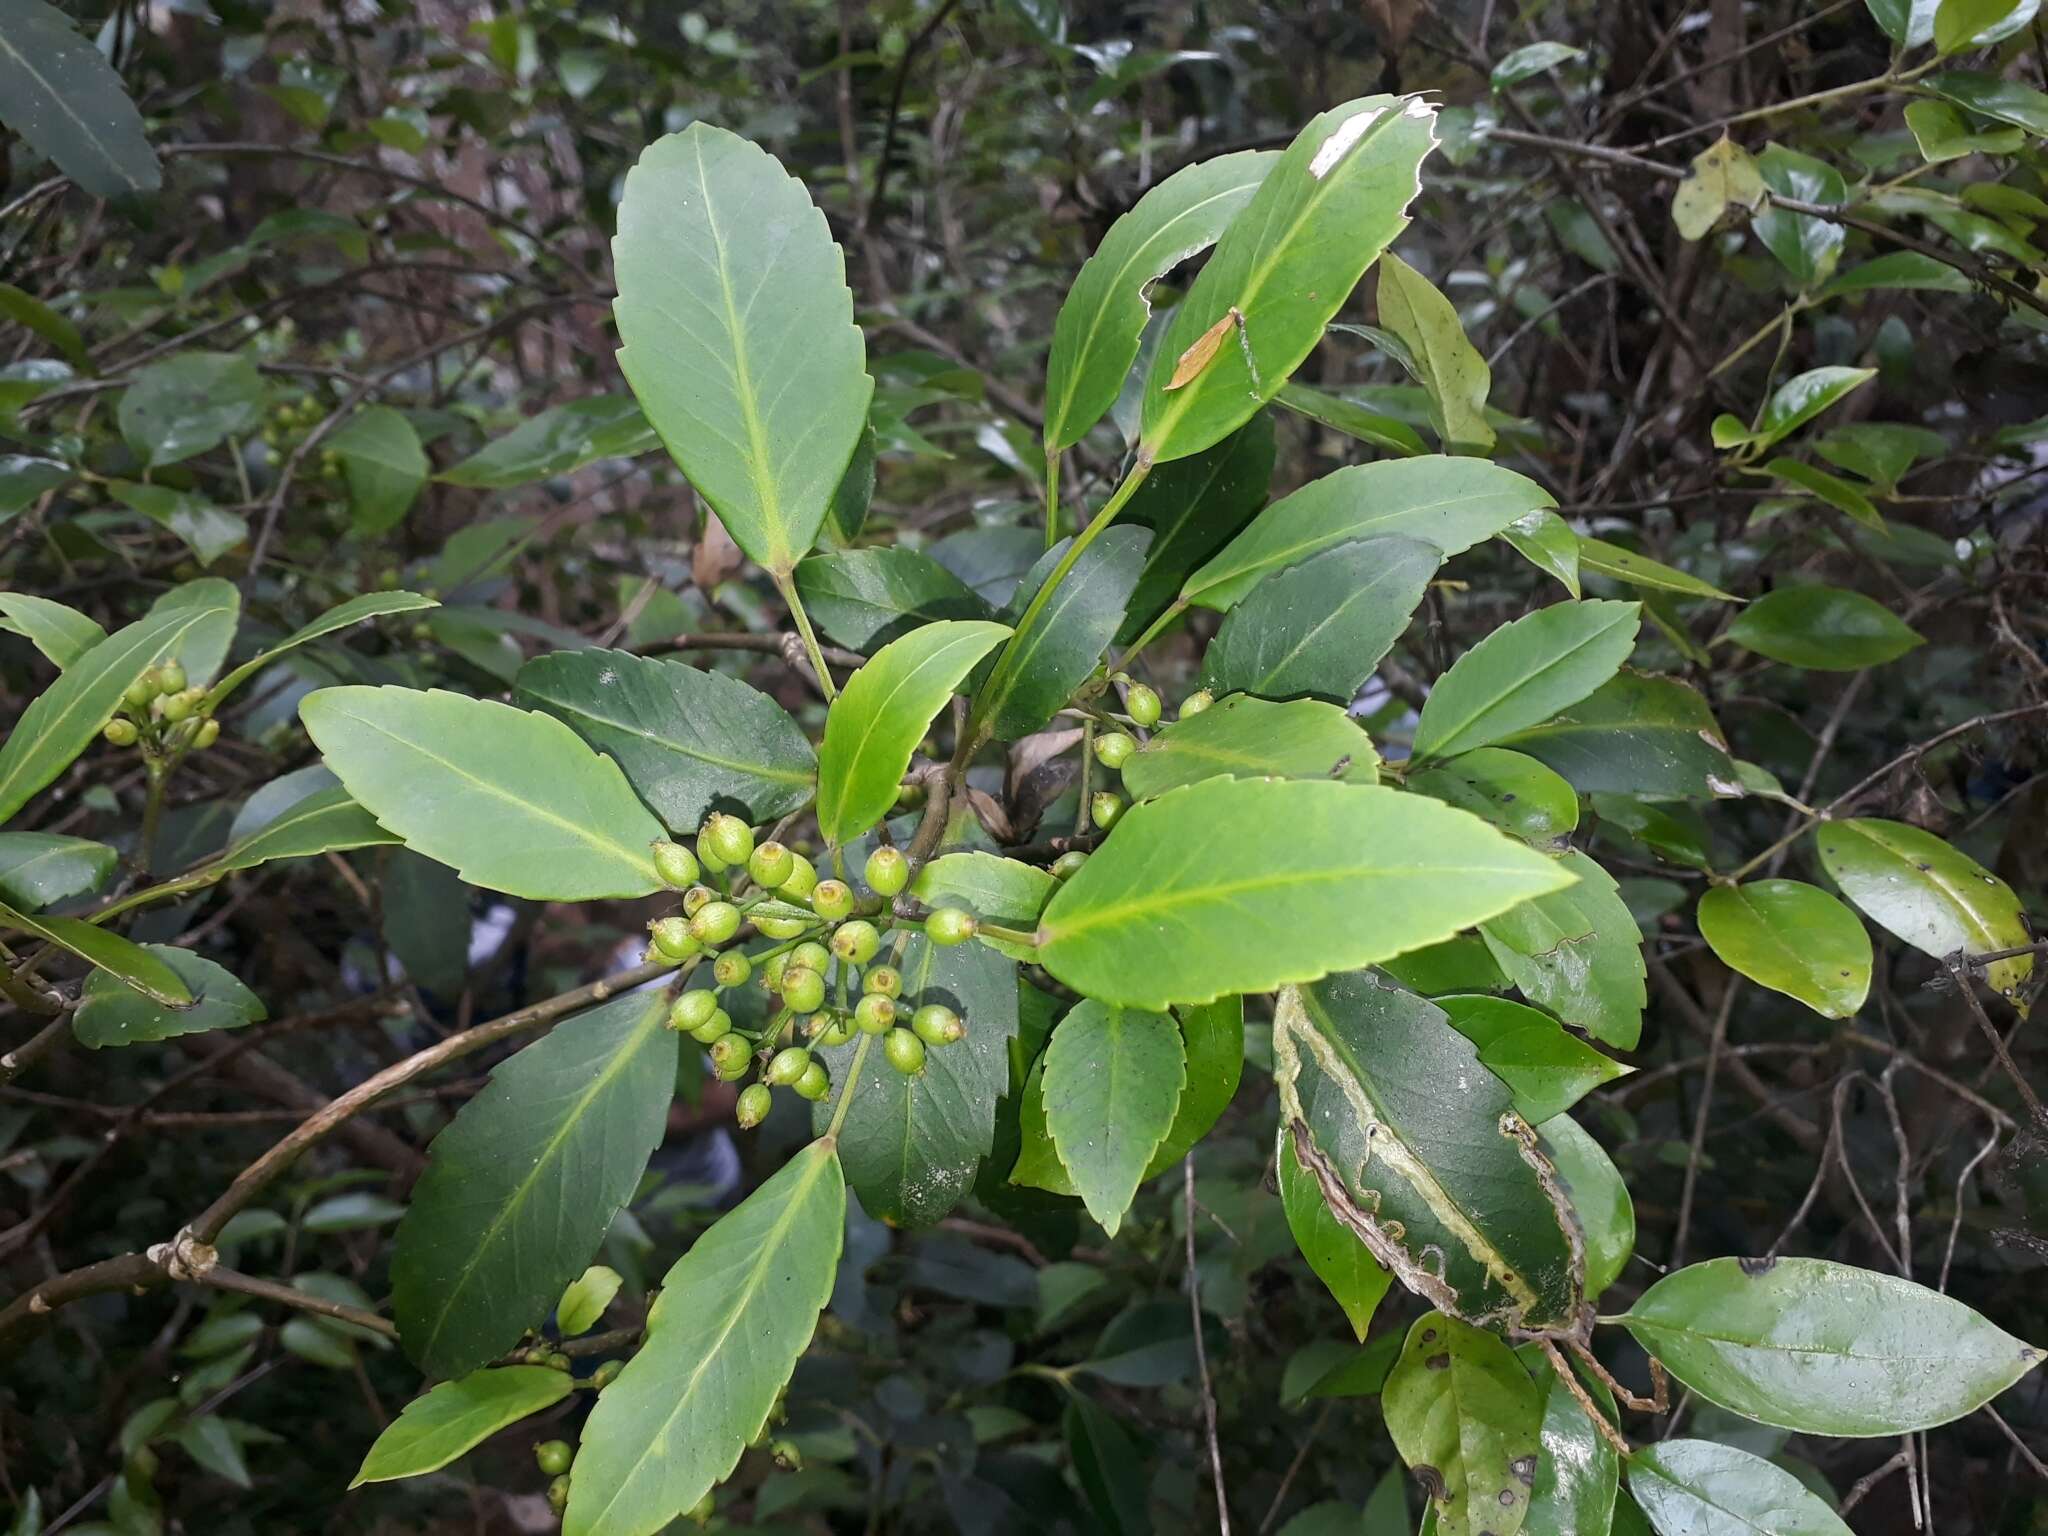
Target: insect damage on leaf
1206	345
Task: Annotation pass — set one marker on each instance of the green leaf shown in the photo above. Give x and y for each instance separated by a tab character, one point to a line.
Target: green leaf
1791	938
64	720
1599	1197
866	597
1524	673
1547	542
187	404
120	957
207	530
1321	627
1451	503
1611	560
997	890
1577	1471
1352	419
1942	133
203	647
559	441
883	713
1459	1402
1879	451
67	102
1900	271
911	1145
1832	489
369	605
733	1316
1053	654
1546	1068
1688	1486
1796	402
583	1303
25	477
112	1013
386	467
1446	363
689	742
1825	1348
1721	174
1531	60
511	799
326	821
522	1185
1113	1078
40	869
1418	1150
1578	953
1934	897
25	309
1824	629
1516	793
60	633
2005	101
457	1416
1246	737
1194	506
1336	1254
1236	885
1638	734
855	495
738	337
1277	275
1095	338
1806	247
1107	1465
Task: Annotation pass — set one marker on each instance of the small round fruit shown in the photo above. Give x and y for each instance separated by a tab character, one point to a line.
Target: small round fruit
179	705
170	677
856	941
207	734
887	871
948	926
812	956
713	1028
782	927
715	922
700	1513
697	898
832	900
732	969
692	1011
1114	748
838	1029
803	989
788	1065
772	970
753	1106
875	1014
770	864
672	938
882	981
936	1024
1106	806
558	1494
787	1456
815	1083
1069	863
121	733
676	865
557	1361
730	838
802	880
140	692
606	1374
905	1052
1196	702
1142	705
554	1456
731	1055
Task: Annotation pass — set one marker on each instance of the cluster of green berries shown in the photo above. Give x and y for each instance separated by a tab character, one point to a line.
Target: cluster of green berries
289	420
826	976
161	714
1114	748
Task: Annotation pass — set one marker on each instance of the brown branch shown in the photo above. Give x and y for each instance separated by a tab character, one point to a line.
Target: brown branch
1187	1170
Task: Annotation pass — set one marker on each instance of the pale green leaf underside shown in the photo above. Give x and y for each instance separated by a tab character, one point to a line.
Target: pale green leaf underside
434	1429
1113	1077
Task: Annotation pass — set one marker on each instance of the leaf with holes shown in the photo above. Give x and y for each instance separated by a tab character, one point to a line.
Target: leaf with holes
1468	1421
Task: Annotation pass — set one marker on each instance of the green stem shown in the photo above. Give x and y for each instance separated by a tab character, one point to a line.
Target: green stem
787	588
1052	498
1152	632
152	812
860	1056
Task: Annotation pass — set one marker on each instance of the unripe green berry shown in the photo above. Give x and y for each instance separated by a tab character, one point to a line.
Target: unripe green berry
831	900
732	969
1106	806
731	839
1142	705
170	677
140	692
875	1014
606	1374
787	1456
882	980
948	926
803	989
887	871
554	1456
856	941
815	1083
731	1055
557	1361
715	922
558	1494
754	1103
936	1024
676	865
1069	863
179	705
838	1029
782	927
697	898
788	1066
904	1051
812	956
1114	748
692	1011
207	734
672	938
121	733
712	1028
772	971
1196	702
770	864
802	880
700	1513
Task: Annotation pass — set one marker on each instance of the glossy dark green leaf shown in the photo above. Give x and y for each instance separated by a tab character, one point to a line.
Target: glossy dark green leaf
1601	558
370	605
326	821
1909	271
1240	885
1194	506
1531	60
1460	1404
112	1013
848	513
1879	451
1113	1080
1578	953
1514	792
40	869
386	467
737	335
1688	1486
457	1416
689	742
60	633
1806	247
1792	938
864	598
66	101
732	1318
1546	1067
26	309
25	478
207	530
1107	1465
109	952
1825	1348
2002	100
1053	653
187	404
1823	629
1446	363
1246	737
1910	23
1525	672
1791	405
1336	1254
1598	1195
991	561
1417	1149
1921	890
1321	627
558	441
1638	734
1547	542
522	1185
1095	338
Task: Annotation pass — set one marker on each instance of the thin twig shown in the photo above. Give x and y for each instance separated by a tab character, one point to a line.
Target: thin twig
1187	1170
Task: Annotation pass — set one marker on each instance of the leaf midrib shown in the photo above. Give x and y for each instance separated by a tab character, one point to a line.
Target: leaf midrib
63	103
672	744
1444	745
